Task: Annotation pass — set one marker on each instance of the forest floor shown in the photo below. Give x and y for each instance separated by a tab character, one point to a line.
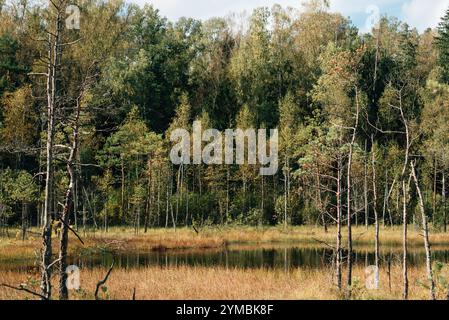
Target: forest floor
190	282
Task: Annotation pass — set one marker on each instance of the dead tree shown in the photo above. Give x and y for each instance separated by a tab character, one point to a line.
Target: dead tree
405	190
425	226
103	282
54	51
375	200
338	267
349	191
71	167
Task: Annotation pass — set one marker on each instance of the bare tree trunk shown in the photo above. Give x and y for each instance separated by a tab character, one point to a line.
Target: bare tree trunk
227	194
69	202
54	52
376	215
122	200
365	188
167	207
285	197
349	194
171	204
158	198
262	205
148	202
427	244
434	204
320	201
24	220
404	240
384	207
443	196
405	190
339	220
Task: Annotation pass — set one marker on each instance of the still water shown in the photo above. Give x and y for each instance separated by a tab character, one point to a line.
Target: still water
245	257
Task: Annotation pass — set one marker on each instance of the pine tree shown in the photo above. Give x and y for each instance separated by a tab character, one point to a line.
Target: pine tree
442	42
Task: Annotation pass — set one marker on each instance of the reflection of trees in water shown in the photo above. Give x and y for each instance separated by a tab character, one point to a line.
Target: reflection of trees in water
278	258
285	258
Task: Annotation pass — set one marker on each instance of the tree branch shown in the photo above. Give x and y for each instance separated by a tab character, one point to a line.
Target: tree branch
102	282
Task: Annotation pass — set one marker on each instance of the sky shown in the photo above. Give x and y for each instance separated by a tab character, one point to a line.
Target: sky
417	13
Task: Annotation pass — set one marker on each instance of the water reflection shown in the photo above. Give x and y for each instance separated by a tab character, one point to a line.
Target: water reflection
273	258
245	257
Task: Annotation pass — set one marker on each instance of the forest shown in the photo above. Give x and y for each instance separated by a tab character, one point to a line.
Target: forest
87	109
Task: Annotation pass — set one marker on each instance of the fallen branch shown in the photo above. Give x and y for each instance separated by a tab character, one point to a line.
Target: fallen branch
53	263
71	229
22	288
325	243
103	282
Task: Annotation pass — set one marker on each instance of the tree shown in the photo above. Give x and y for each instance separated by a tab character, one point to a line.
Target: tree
289	112
339	93
435	117
23	189
442	43
20	121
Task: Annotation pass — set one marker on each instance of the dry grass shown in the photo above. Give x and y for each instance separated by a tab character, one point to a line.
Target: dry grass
219	283
193	283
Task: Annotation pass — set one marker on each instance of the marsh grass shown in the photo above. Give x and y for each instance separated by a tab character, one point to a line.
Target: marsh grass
217	282
198	283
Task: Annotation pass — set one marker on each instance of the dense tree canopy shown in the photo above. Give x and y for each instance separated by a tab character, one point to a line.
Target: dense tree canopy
137	76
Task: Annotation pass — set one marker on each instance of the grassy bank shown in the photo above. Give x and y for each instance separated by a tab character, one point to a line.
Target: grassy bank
190	283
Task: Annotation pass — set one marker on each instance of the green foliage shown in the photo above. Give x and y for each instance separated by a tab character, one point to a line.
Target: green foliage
442	43
305	72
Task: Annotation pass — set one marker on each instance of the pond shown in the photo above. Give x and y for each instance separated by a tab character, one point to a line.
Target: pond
284	257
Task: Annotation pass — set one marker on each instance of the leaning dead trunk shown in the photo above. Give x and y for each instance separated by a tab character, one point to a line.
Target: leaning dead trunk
64	241
425	226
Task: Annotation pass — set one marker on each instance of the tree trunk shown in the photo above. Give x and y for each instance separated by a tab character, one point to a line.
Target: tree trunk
339	214
443	196
434	204
405	190
365	188
54	52
122	200
376	215
24	220
404	240
285	198
69	203
349	194
427	244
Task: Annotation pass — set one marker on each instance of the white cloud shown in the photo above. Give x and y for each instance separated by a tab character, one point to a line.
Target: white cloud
203	9
417	13
424	13
348	7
